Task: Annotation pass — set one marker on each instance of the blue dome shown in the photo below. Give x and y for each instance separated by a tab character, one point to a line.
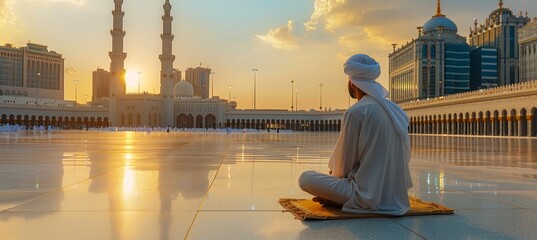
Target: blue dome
439	21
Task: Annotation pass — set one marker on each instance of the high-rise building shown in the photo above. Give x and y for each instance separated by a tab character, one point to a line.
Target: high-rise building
177	75
483	68
100	84
200	79
500	31
31	71
434	64
528	51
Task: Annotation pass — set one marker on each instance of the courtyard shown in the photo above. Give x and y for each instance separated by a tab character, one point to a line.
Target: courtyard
213	185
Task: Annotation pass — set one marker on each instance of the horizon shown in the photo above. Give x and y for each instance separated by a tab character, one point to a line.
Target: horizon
305	41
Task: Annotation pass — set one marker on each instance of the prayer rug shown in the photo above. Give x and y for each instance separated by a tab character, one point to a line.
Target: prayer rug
307	209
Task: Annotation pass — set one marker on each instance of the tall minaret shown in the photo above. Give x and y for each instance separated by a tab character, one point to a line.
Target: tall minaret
166	67
117	65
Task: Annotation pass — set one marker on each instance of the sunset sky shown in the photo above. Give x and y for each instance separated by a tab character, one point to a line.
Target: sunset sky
302	40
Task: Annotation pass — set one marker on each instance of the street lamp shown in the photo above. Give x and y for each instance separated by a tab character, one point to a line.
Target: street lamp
37	88
255	82
229	97
292	91
139	74
212	84
296	100
85	99
76	91
321	97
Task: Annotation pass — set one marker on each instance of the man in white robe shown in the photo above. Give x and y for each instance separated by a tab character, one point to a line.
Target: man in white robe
369	170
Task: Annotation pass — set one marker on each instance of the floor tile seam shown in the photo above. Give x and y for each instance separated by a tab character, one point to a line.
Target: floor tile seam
410	230
89	211
242	210
259	161
204	199
57	190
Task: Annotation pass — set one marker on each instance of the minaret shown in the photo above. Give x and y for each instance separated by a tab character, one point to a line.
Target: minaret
117	65
166	66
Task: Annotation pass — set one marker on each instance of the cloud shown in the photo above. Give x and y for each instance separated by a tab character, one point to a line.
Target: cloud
8	19
71	71
281	37
75	2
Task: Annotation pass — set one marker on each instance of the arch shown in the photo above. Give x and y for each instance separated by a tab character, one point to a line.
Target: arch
199	121
40	121
533	122
53	121
19	119
130	119
488	123
92	122
513	126
181	121
495	123
480	124
503	124
210	121
523	123
106	122
3	120
138	120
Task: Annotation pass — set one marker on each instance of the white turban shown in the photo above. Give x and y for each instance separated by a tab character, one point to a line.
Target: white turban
363	72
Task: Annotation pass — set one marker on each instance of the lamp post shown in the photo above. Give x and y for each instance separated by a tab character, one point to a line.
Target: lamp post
37	88
296	100
139	76
85	99
255	82
76	91
292	91
321	97
212	84
229	97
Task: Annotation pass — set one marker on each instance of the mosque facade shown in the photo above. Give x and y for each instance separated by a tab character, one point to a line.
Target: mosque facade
434	64
500	32
528	51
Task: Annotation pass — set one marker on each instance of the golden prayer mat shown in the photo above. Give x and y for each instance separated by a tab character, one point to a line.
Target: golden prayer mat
307	209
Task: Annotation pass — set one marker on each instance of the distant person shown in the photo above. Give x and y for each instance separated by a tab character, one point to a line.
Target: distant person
369	170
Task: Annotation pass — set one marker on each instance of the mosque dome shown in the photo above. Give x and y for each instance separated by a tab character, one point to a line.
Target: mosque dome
439	21
183	89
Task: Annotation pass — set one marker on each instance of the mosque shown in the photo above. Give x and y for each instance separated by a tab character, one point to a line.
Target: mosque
175	105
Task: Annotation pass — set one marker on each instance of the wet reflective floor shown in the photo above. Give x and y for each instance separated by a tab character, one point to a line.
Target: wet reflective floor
135	185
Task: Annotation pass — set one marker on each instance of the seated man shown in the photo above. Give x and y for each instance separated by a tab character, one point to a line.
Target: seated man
369	166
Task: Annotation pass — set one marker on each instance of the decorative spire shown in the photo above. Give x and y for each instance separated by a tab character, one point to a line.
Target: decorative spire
501	4
438	10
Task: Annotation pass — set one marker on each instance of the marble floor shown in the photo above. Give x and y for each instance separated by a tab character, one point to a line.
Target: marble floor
179	185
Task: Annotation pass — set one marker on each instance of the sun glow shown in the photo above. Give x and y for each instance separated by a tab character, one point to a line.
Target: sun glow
132	80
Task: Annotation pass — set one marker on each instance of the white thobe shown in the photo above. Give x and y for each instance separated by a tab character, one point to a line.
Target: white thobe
371	154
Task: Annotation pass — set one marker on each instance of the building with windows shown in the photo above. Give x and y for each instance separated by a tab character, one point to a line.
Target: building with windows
31	71
436	63
483	68
200	79
100	84
527	39
500	31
